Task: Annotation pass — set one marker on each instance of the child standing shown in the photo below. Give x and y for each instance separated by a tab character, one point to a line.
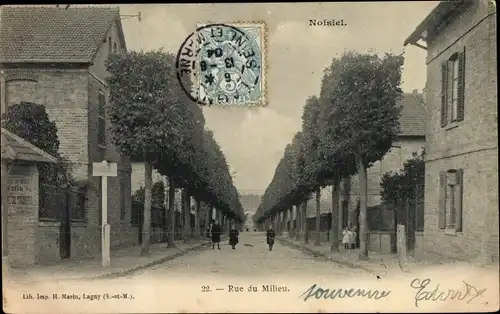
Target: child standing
346	238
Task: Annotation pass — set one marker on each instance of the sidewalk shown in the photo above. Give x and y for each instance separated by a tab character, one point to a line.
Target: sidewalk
377	263
123	262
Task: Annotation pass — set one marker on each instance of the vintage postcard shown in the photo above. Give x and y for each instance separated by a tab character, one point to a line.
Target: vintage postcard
250	157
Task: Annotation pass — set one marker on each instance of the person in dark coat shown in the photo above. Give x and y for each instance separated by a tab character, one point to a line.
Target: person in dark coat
270	235
216	231
233	237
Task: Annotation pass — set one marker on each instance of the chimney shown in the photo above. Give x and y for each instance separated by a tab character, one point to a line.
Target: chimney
415	92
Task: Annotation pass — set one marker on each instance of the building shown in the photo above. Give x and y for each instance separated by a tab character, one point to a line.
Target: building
411	139
461	162
20	199
139	173
56	57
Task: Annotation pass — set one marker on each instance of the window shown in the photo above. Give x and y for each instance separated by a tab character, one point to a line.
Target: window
115	48
102	119
450	199
452	89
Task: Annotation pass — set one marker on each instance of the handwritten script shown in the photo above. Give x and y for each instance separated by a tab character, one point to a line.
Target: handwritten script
425	293
318	293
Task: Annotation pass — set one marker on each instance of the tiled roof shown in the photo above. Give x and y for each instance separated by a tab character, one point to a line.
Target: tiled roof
15	148
37	34
413	115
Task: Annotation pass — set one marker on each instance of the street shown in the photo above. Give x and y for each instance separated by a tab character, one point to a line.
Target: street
254	279
251	258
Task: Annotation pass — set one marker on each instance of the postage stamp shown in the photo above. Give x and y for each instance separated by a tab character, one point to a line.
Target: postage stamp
224	64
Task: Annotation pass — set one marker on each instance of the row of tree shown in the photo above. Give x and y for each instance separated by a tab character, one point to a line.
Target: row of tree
153	121
351	125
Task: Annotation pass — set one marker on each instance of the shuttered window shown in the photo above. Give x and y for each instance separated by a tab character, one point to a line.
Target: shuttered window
453	88
450	199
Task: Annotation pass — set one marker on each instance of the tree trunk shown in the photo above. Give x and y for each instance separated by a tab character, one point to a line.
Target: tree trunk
363	221
197	230
277	224
187	214
285	221
146	228
298	224
317	241
209	218
280	222
171	213
222	221
290	224
305	226
335	216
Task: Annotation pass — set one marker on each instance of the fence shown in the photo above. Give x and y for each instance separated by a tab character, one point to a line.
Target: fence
54	202
380	218
384	217
325	222
160	222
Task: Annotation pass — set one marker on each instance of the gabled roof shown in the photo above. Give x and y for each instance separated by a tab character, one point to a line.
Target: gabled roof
41	34
15	148
442	11
413	115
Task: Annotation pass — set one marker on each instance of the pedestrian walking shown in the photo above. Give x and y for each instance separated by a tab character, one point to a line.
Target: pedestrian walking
346	238
233	237
270	235
216	231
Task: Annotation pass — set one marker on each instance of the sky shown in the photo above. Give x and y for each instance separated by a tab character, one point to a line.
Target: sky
253	139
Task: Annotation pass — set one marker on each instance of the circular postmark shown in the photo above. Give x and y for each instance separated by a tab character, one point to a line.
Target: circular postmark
221	64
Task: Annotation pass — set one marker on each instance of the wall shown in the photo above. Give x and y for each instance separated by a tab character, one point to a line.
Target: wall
480	206
22	221
63	92
470	144
47	238
122	232
393	161
99	63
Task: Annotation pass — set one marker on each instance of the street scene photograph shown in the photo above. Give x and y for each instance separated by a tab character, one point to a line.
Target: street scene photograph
250	157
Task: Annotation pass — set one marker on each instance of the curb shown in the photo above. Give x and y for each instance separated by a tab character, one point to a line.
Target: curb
323	255
144	266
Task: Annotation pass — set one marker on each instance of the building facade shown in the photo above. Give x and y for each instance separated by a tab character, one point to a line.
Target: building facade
461	162
56	57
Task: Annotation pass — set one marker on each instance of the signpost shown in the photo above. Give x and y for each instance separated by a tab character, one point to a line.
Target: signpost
104	169
401	238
